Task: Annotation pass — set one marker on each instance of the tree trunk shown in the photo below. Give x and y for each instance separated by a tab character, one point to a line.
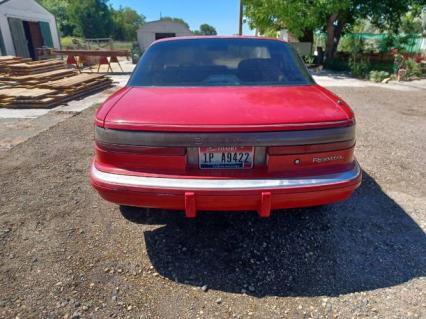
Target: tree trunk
308	36
329	54
335	27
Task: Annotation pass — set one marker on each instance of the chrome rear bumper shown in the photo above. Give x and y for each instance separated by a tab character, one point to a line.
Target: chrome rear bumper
187	184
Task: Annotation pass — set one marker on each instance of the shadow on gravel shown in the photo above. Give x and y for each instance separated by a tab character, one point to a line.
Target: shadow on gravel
365	243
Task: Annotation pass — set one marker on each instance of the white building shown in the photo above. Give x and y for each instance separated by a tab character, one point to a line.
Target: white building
25	25
160	29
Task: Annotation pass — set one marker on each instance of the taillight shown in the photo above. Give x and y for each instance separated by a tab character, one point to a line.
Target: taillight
303	158
309	149
143	150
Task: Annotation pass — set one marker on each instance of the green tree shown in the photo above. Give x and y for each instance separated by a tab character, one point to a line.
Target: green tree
126	22
411	22
206	29
90	18
59	9
178	20
302	17
269	16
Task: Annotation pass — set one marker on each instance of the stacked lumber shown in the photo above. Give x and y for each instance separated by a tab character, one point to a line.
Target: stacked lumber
8	58
35	79
46	84
5	61
27	98
35	67
79	85
54	93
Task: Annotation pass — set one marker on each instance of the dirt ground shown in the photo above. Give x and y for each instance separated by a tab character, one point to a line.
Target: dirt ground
66	253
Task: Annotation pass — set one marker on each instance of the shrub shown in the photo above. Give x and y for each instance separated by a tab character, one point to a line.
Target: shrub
336	64
391	41
309	59
413	67
136	52
122	45
67	42
358	64
359	68
378	76
352	44
73	43
387	67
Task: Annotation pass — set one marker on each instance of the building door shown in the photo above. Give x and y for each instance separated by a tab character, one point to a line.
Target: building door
35	38
46	34
20	41
31	47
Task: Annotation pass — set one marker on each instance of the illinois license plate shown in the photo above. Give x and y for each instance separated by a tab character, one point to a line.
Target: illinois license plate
226	157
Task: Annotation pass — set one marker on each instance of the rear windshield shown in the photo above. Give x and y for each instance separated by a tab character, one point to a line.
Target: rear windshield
220	62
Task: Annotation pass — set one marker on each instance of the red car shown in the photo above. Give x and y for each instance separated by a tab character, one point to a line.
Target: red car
224	123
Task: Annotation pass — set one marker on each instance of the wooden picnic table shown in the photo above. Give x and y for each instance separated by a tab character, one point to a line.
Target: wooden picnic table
77	57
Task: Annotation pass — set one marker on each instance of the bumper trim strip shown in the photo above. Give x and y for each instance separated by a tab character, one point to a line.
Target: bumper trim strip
186	184
173	139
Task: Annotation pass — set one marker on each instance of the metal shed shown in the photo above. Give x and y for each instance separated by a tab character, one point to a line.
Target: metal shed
160	29
26	25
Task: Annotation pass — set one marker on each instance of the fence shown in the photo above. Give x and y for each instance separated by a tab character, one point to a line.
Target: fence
411	43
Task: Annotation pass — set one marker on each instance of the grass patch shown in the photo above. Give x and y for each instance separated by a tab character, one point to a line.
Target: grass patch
80	43
121	45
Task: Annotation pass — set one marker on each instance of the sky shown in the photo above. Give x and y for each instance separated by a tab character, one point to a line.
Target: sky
221	14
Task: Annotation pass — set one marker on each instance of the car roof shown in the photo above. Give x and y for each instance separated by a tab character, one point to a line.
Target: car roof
209	37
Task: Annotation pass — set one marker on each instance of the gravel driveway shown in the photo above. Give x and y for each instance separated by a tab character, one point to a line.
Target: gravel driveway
66	253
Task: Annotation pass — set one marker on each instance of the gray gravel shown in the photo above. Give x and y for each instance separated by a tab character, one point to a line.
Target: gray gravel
66	253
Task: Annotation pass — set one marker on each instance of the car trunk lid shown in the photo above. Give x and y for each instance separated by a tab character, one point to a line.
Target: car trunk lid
227	109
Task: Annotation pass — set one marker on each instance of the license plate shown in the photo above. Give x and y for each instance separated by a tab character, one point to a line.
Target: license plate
226	157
